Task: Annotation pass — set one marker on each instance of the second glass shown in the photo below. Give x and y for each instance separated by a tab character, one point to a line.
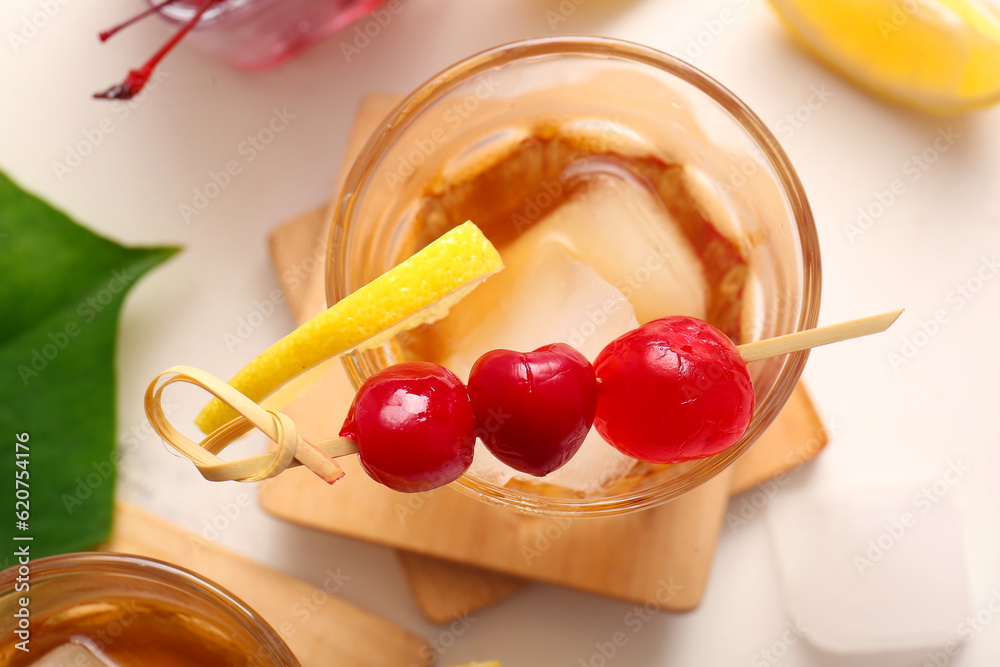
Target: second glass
109	608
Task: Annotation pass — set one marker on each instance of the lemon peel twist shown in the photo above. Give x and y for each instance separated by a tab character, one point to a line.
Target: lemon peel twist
418	291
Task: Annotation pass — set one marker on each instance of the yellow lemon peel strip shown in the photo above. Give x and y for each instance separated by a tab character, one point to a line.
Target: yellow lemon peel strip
418	291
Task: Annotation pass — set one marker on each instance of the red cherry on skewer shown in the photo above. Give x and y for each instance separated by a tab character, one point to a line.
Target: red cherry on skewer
414	426
535	408
673	390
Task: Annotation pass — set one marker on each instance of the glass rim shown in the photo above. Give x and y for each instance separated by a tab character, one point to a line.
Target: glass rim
398	120
156	571
182	13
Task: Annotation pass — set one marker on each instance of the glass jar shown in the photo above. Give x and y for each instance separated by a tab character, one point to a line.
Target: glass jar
257	34
79	608
620	102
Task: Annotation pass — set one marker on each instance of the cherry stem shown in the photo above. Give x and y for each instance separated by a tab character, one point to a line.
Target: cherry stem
136	79
107	34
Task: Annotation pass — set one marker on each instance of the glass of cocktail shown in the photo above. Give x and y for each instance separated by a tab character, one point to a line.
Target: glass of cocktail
620	185
115	609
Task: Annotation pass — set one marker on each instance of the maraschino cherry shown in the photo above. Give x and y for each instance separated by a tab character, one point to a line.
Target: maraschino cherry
672	390
414	426
137	78
534	408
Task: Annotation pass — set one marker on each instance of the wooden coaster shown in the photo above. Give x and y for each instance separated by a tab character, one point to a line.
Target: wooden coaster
334	630
460	554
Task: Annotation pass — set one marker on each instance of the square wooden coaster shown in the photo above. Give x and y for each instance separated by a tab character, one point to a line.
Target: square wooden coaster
460	554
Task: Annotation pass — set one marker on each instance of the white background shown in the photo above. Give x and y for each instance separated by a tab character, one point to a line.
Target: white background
904	424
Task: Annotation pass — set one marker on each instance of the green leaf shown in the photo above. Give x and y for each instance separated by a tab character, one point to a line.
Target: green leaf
62	290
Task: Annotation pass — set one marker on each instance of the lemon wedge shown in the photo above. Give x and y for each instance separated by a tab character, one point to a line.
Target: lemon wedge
418	291
941	56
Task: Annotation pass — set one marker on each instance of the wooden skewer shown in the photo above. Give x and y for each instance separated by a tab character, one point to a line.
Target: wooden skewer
803	340
291	448
333	448
294	450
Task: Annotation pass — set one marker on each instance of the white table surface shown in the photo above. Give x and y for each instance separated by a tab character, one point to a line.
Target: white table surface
902	425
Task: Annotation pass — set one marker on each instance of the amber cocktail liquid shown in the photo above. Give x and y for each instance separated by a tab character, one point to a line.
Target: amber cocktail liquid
112	610
125	633
595	241
620	186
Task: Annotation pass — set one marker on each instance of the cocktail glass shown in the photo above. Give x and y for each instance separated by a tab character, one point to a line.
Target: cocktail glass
85	608
514	126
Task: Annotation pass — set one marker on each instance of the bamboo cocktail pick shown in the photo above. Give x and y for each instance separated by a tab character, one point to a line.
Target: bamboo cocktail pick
809	338
293	450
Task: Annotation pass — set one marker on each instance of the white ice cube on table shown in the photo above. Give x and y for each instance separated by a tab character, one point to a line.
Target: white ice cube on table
620	228
872	568
546	297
